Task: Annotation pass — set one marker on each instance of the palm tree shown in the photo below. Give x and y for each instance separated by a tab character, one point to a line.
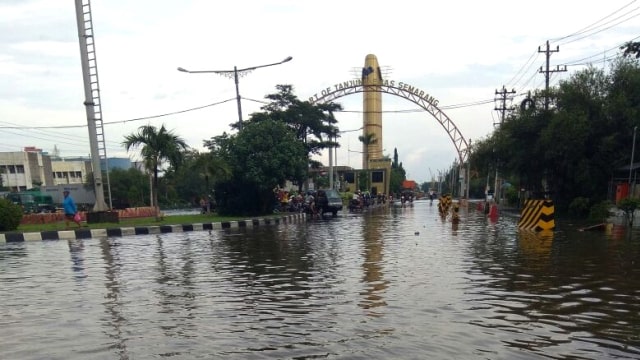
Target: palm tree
157	146
210	167
367	140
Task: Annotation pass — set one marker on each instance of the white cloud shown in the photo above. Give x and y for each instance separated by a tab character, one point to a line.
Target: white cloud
459	52
47	48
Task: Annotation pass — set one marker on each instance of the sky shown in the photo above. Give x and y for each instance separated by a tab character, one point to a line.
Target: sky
460	52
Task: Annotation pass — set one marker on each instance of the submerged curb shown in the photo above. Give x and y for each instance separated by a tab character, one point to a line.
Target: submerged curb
146	230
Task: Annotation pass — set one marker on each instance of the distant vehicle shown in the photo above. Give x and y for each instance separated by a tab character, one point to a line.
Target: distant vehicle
32	201
328	200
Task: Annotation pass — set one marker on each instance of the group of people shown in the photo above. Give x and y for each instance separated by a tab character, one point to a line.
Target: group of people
288	201
294	201
361	200
207	204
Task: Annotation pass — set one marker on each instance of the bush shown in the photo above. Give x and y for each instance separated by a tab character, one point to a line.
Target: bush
600	211
629	207
10	215
512	196
579	207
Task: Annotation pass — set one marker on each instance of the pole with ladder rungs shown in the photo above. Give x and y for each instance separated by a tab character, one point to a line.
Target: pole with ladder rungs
92	103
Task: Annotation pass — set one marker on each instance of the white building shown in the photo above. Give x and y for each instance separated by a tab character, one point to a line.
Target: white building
22	170
70	171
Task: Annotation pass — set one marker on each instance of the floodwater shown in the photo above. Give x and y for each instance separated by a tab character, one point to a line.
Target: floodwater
396	284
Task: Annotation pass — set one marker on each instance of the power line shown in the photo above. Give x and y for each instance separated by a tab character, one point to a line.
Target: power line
591	27
579	61
169	114
588	27
607	28
522	72
118	121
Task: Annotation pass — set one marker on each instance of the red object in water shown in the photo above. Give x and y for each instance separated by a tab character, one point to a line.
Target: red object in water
493	212
622	191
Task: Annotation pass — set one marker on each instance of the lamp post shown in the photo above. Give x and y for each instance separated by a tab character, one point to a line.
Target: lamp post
235	74
633	150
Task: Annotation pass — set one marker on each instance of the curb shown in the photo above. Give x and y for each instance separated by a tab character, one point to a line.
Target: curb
146	230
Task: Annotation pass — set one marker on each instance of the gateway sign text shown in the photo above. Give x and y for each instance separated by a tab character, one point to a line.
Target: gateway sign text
390	83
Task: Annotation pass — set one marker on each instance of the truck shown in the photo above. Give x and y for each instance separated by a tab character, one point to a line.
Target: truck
32	201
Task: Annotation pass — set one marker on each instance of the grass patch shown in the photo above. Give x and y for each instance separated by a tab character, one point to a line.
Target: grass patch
133	222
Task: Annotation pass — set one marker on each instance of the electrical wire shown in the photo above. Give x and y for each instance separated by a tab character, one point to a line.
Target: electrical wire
588	27
601	30
118	121
582	61
522	72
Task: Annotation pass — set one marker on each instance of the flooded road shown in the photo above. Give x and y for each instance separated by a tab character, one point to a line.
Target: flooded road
401	284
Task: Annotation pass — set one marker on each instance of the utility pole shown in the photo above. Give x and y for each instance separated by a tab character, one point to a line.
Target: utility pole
547	72
502	98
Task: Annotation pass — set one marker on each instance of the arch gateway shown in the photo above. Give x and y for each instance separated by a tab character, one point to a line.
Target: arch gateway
372	85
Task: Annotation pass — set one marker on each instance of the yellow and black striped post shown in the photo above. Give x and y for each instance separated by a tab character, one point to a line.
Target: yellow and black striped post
537	215
444	204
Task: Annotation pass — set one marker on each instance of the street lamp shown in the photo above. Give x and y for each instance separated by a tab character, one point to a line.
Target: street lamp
633	150
235	74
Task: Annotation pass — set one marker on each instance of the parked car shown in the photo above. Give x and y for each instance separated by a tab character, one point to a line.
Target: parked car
328	200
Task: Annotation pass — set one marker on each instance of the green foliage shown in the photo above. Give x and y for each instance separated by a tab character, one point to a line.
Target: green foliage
512	195
156	147
579	207
398	175
273	146
129	188
267	154
197	176
629	206
573	149
264	154
322	182
10	215
363	180
234	198
366	140
312	124
600	211
631	48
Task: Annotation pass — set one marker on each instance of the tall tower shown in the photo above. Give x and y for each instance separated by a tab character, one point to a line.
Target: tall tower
372	111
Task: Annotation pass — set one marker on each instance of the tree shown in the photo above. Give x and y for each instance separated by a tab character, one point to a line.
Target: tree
261	156
629	207
197	176
575	148
398	174
312	124
157	146
129	188
631	48
366	140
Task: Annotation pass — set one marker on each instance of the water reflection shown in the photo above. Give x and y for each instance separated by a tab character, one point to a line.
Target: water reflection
396	284
113	304
548	290
76	250
175	290
12	250
373	263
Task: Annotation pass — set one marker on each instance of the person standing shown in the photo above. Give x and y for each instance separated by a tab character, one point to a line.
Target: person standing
70	210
